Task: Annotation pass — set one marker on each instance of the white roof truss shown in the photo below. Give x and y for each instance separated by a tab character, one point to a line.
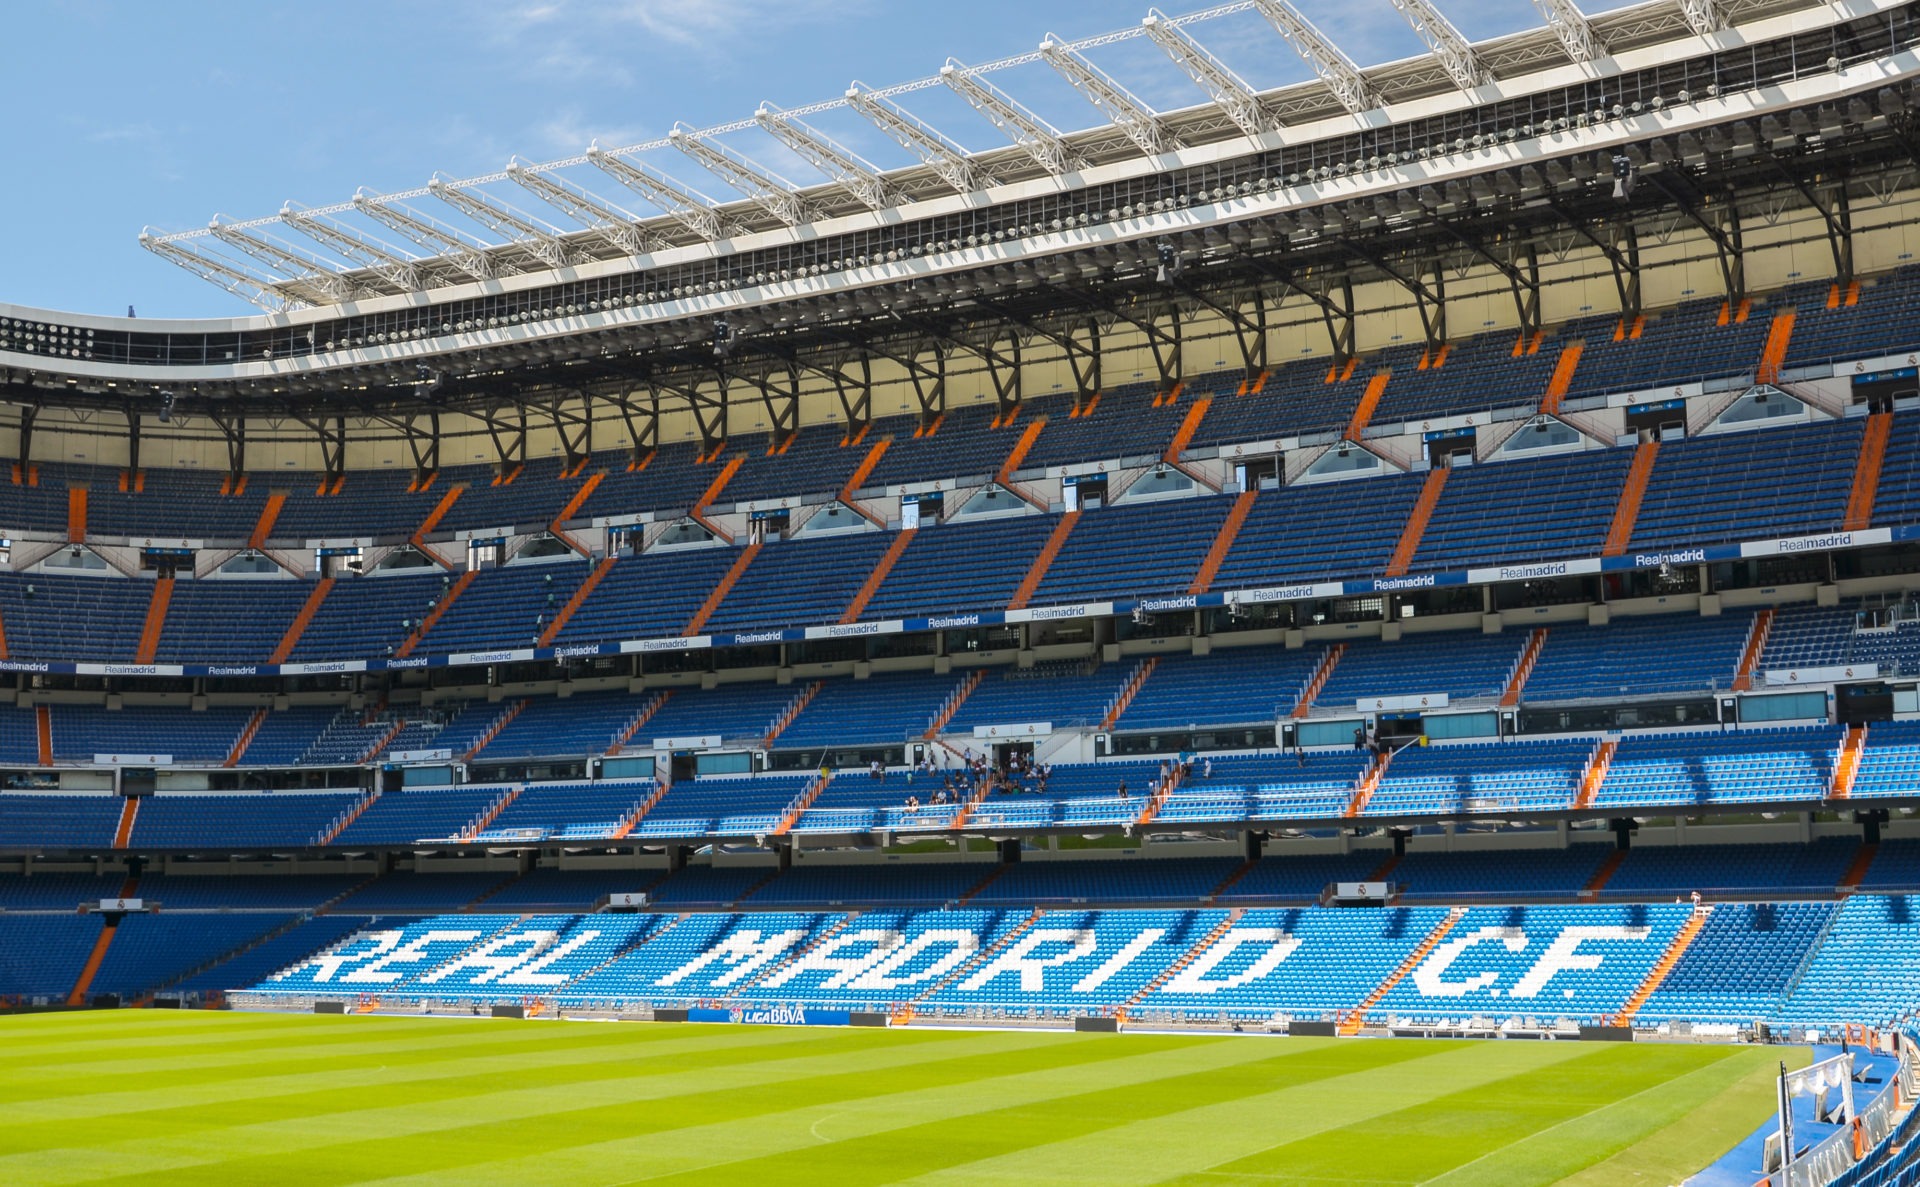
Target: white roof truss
774	193
691	208
1450	47
620	228
1041	139
1327	60
1221	84
858	176
1139	122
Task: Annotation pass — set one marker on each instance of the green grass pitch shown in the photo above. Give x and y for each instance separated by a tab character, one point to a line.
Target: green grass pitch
231	1099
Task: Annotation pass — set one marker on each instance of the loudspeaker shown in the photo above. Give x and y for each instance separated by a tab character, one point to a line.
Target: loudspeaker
1097	1025
669	1015
1313	1030
509	1011
329	1007
859	1018
1606	1034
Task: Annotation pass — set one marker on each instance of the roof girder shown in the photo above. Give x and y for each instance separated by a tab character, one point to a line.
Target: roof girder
1209	73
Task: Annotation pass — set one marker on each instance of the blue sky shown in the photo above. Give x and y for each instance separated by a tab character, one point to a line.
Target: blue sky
132	114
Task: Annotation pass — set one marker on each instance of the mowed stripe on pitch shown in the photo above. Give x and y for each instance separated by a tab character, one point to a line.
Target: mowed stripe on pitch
1152	1150
408	1135
924	1118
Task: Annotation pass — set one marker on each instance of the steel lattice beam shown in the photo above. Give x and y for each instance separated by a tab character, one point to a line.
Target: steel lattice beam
542	239
690	208
859	177
260	290
466	252
1572	27
1140	123
1041	139
285	258
923	140
774	193
616	226
1327	60
388	262
1225	87
1703	16
1450	47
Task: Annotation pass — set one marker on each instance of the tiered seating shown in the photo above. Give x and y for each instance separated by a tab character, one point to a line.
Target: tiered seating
963	447
41	955
82	731
586	723
370	617
287	734
1532	962
1231	686
1702	490
653	595
738	713
199	821
1304	963
420	894
1269	787
29	821
710	886
1525	509
723	805
19	736
1734	869
1867	967
961	565
671	481
668	948
1133	550
1065	694
1890	762
1676	346
1639	657
1168	879
378	961
1052	963
1482	777
1897	499
506	607
882	710
802	582
228	621
570	811
1475	875
1880	322
270	956
149	951
1320	531
401	817
61	617
1714	768
1480	373
1463	666
1740	964
1297	399
917	883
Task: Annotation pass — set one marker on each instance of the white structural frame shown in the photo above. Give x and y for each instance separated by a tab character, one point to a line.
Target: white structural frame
538	236
1327	61
284	257
465	251
618	227
858	176
935	148
689	207
1140	122
1209	73
1450	47
1042	140
1572	27
775	194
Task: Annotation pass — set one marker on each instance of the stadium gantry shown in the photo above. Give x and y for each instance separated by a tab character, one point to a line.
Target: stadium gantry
1035	583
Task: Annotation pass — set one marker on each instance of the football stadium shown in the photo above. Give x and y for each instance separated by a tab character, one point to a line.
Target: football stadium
1362	631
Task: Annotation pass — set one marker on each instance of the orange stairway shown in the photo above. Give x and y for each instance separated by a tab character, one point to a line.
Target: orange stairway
1416	527
571	508
640	719
1669	958
1627	510
1848	765
301	621
711	495
1756	645
245	739
1018	454
559	623
1223	542
1523	667
385	741
1368	784
1609	866
867	463
793	710
1369	400
156	620
493	731
1129	690
1596	773
76	515
1189	425
1857	870
1866	472
432	616
1329	660
487	818
800	806
43	730
332	832
269	515
3	641
1185	958
1562	380
129	812
97	957
640	813
1774	353
1038	571
1356	1018
721	590
448	498
871	585
954	702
